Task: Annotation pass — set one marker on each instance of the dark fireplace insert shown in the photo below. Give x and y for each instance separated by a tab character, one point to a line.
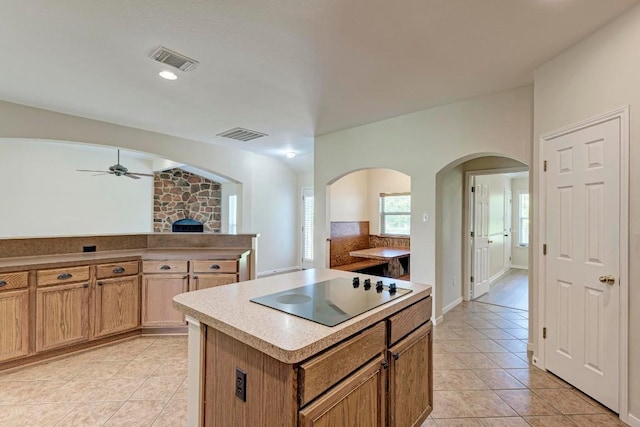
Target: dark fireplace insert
187	226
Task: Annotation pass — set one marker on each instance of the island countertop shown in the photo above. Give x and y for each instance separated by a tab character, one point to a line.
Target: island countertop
283	336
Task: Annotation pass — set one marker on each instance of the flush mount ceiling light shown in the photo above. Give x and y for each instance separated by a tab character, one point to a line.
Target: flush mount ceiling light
167	75
290	154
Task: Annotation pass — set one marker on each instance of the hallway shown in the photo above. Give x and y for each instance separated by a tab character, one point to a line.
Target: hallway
511	290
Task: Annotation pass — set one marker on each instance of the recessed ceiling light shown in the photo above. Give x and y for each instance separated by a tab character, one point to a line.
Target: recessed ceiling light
290	154
167	75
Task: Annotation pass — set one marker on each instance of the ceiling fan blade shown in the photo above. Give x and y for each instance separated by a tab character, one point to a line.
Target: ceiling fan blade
139	174
89	170
128	175
103	173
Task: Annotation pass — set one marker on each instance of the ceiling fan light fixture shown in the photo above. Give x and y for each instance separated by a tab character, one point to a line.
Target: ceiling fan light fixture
167	75
290	154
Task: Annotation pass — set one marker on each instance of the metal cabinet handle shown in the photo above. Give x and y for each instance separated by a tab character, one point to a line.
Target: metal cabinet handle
118	270
396	356
165	267
215	267
86	285
185	277
99	283
65	276
3	283
385	364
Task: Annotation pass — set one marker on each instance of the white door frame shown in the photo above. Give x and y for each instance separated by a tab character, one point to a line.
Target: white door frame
539	359
305	192
468	221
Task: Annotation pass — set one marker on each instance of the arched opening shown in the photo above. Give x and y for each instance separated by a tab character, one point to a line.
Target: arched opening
370	209
457	219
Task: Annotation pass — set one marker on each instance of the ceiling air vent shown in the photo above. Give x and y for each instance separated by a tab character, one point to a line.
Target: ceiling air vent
241	134
169	57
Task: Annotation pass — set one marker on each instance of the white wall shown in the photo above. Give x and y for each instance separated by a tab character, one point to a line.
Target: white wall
449	223
253	171
349	198
600	74
419	145
519	254
43	194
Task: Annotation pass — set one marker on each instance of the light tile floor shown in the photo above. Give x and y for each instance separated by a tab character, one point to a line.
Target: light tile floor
481	378
138	382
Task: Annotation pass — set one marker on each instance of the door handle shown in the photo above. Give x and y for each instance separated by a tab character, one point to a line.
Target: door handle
490	241
608	279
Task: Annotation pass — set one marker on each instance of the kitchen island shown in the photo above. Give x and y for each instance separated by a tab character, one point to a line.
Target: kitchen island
254	365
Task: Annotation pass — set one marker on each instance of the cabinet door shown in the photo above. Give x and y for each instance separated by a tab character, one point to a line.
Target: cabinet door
117	305
204	281
62	315
14	324
410	379
158	291
357	401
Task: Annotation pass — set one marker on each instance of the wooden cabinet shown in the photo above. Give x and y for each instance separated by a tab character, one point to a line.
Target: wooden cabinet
359	400
14	315
212	273
117	305
410	379
158	291
62	315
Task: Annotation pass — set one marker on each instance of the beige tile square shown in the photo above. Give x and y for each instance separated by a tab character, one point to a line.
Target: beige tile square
507	360
447	361
43	414
173	415
476	361
455	347
460	379
118	389
525	402
487	404
599	420
488	346
172	368
551	421
101	370
536	378
498	379
73	391
90	414
11	415
138	369
469	334
504	422
158	388
459	422
567	401
136	413
21	392
444	334
513	346
450	404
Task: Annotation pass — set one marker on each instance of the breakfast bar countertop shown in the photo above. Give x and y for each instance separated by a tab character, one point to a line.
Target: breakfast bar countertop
283	336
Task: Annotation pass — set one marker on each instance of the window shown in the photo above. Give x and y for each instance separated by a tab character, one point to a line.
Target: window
523	219
395	214
307	225
233	214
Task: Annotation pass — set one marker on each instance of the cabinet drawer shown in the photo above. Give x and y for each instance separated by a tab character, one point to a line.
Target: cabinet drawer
215	266
401	324
128	268
59	276
325	370
14	280
205	281
167	266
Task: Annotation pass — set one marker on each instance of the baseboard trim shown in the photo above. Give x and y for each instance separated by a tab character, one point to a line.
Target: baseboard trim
438	320
520	267
278	270
452	305
632	421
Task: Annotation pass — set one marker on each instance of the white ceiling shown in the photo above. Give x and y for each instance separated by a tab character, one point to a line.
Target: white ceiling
291	69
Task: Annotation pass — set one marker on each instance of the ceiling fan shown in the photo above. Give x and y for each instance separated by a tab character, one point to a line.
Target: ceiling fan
117	170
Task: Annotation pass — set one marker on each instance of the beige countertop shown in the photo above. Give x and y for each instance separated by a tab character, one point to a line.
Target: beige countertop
53	261
381	253
282	336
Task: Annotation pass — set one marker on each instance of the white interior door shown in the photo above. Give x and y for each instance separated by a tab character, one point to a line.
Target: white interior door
507	228
480	246
582	236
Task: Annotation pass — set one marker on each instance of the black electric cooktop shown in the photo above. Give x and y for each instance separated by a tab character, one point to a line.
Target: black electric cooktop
333	301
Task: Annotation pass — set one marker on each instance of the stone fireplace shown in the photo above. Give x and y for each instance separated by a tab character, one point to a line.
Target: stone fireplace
179	194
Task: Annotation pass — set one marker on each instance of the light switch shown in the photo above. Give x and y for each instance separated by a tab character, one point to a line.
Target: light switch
426	217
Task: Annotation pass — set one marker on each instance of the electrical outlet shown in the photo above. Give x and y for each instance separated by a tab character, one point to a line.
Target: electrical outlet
241	384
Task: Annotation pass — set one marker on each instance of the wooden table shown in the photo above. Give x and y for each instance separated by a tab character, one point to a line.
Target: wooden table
391	255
